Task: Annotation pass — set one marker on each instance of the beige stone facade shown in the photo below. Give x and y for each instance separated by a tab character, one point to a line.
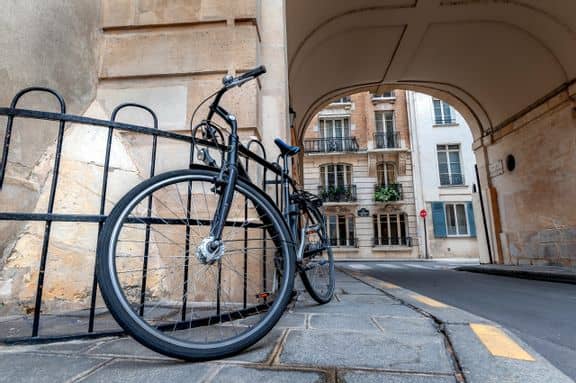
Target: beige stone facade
168	56
350	157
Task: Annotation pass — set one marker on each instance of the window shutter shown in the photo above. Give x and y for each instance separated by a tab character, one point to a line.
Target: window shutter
439	219
471	222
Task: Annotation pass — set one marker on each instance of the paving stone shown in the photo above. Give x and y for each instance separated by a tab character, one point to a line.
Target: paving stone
380	377
359	305
73	347
288	320
342	322
370	350
407	326
128	371
357	288
251	375
260	352
125	348
43	368
475	358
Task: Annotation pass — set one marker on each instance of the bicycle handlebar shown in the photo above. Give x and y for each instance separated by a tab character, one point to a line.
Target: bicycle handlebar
252	73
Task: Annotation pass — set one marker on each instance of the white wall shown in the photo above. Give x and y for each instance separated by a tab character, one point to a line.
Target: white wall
425	137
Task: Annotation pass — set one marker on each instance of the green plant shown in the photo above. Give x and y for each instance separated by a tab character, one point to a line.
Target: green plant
386	194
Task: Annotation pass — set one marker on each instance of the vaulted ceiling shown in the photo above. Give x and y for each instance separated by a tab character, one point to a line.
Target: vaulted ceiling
492	59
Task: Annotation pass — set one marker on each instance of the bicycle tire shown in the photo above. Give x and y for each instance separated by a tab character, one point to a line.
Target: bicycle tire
317	273
151	332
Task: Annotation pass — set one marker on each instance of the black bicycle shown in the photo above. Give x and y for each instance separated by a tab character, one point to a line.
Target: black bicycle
200	263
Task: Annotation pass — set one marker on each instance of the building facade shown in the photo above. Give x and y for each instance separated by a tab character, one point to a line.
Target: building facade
444	177
358	160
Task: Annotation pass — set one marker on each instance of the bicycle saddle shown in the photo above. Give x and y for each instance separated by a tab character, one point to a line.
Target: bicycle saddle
286	149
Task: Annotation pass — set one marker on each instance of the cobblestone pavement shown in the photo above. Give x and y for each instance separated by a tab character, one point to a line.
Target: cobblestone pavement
372	332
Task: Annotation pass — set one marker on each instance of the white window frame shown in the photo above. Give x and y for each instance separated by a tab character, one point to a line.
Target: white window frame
447	151
467	219
378	234
350	242
384	125
383	175
326	181
443	114
346	127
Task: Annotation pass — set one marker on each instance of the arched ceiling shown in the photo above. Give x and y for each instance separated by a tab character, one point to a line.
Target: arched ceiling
493	58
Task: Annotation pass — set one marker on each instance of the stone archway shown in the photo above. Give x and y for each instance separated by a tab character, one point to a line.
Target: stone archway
509	67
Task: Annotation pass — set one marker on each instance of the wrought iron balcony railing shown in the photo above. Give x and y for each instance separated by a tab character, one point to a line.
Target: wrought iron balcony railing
327	145
388	193
387	140
337	193
343	242
444	121
393	241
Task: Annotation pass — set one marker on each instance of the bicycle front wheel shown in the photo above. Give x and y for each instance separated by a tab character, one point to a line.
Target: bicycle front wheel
173	301
317	268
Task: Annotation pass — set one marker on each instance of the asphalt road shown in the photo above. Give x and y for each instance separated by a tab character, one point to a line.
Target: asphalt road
543	314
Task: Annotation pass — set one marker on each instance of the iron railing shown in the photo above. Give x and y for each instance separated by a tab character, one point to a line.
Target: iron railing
392	241
388	193
29	325
444	121
343	242
388	140
327	145
337	193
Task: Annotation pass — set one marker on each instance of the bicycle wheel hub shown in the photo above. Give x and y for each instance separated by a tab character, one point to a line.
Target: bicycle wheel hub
209	251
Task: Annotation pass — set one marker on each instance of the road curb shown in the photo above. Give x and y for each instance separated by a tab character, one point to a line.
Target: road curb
548	276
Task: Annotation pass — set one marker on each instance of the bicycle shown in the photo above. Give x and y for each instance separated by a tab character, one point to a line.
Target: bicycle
199	263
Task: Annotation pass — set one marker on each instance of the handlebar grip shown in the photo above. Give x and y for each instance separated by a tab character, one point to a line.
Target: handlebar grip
253	73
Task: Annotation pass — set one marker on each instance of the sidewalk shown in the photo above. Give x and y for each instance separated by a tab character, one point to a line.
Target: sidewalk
543	273
372	332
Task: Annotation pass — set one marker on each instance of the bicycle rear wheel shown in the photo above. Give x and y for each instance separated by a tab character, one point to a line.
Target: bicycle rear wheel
317	268
165	296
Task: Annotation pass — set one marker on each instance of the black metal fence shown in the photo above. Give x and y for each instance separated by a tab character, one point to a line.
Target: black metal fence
328	145
388	193
337	193
392	241
269	177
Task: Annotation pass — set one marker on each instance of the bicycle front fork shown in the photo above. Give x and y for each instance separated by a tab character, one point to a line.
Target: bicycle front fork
212	248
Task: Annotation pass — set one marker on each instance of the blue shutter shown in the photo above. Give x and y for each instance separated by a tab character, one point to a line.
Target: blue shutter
471	222
438	219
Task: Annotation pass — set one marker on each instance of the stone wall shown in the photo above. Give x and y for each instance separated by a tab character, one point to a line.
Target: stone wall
166	55
536	205
51	43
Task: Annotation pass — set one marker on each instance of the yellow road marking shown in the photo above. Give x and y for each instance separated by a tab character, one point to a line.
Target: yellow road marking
388	285
498	343
428	301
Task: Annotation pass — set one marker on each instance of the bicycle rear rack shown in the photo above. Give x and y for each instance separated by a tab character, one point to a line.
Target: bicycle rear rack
50	216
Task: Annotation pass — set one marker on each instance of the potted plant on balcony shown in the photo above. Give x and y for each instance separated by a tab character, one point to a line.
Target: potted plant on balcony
386	194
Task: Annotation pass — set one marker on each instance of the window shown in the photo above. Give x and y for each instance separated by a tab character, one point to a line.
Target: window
342	100
453	219
386	172
336	175
449	166
442	113
390	230
384	95
386	135
341	230
456	220
385	122
335	127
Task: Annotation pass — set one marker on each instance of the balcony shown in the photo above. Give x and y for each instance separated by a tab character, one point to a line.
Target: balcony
337	193
393	241
330	145
387	140
388	193
444	121
344	242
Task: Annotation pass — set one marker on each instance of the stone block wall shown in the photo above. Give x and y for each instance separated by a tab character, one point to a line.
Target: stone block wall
536	199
